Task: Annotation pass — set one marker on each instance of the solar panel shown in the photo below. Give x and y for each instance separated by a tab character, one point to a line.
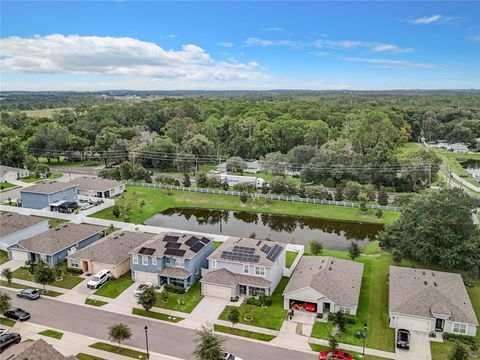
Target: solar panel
170	238
192	241
266	248
238	256
197	247
173	245
205	240
174	252
146	251
273	254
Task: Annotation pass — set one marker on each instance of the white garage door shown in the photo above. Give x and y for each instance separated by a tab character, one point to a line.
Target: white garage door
409	323
141	276
19	255
217	291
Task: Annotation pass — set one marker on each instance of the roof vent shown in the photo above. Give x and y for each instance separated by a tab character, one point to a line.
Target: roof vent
9	214
330	268
65	225
435	283
425	282
57	229
115	237
423	272
433	274
331	262
323	260
121	234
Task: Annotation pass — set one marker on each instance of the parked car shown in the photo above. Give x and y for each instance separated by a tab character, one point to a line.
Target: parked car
141	288
335	355
3	331
227	356
403	339
17	314
7	340
99	279
310	307
29	294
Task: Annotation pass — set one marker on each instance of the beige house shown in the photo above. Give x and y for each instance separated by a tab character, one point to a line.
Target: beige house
111	253
98	187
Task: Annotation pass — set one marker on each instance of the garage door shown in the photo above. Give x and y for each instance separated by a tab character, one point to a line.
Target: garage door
19	255
141	276
405	322
217	291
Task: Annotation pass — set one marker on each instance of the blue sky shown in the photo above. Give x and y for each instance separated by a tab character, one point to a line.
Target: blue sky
239	45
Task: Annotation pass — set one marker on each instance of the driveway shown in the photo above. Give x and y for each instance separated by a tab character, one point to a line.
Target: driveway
419	347
209	308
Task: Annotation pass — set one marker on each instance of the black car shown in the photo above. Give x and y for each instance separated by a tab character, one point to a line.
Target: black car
17	314
29	294
403	339
9	339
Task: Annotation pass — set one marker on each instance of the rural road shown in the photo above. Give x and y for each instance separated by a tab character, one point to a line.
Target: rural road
163	338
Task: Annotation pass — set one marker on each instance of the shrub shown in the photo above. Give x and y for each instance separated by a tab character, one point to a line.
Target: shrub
234	299
464	339
174	289
260	301
73	271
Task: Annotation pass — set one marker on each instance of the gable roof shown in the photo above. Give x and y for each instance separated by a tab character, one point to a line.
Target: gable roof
338	280
112	249
48	187
228	278
35	350
95	183
421	292
59	238
11	223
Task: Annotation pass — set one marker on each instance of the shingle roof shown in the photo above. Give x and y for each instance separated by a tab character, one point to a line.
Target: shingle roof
228	278
11	223
95	183
338	280
175	272
112	249
35	350
48	187
421	292
61	237
256	244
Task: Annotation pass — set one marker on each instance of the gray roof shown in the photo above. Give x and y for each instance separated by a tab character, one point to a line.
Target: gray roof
95	183
11	223
6	169
227	278
245	242
48	187
35	350
159	246
175	272
112	249
59	238
421	292
338	280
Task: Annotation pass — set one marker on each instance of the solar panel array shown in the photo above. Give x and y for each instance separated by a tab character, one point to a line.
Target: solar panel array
173	245
273	254
197	246
205	240
170	238
241	253
266	248
174	252
146	251
191	241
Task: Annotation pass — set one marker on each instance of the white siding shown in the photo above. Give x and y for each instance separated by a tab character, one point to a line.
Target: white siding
216	291
19	255
141	276
411	323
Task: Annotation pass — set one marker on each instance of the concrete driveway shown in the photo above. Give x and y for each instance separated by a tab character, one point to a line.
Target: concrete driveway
419	347
209	308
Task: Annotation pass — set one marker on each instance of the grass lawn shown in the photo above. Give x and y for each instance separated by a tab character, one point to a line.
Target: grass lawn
453	159
7	322
216	244
243	333
190	299
356	356
6	185
270	317
83	356
68	281
158	200
156	315
14	285
290	258
94	302
372	248
64	163
113	288
123	351
3	257
408	148
31	179
52	333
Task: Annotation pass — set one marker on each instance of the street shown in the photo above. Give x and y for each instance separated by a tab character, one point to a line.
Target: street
163	338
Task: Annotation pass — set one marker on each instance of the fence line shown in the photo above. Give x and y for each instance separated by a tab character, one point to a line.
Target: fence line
264	196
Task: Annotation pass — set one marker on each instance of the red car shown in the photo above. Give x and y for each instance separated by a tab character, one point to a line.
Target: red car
298	306
335	355
310	307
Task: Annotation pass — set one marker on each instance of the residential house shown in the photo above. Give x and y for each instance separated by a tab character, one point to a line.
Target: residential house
54	245
47	193
34	350
111	252
11	174
427	300
16	227
171	259
329	284
98	187
243	266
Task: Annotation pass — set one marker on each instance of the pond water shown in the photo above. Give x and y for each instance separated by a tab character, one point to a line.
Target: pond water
472	167
335	235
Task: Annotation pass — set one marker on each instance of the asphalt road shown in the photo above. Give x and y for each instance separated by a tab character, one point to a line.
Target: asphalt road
163	338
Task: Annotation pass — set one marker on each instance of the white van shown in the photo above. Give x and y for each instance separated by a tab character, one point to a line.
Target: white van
99	279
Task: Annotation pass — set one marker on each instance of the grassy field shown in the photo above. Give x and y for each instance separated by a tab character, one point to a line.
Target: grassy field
243	333
453	159
356	356
113	288
32	179
123	351
270	317
7	322
156	315
182	302
64	163
83	356
408	148
68	281
3	257
52	333
290	258
6	185
158	200
94	302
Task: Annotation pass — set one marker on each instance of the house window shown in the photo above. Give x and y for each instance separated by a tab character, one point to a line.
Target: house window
154	260
259	271
73	263
135	259
144	260
179	263
245	269
214	264
345	310
459	328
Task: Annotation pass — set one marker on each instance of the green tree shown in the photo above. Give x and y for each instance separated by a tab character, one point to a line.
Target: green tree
164	296
397	256
234	316
363	203
338	193
44	274
334	336
458	352
316	247
7	274
30	266
382	196
379	214
116	211
236	164
12	151
354	250
352	191
208	346
243	198
186	180
119	333
147	298
5	302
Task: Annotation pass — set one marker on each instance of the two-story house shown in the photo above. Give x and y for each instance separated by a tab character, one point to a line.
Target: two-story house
171	259
242	266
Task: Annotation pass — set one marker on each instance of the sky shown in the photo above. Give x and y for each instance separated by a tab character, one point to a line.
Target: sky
89	45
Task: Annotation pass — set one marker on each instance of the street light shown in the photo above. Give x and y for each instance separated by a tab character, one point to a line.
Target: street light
364	338
146	341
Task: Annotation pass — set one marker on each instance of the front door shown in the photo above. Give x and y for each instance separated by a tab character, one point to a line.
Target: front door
242	289
326	307
439	324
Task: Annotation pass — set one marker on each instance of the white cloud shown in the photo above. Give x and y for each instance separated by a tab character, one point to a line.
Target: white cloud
439	19
226	44
392	63
117	56
169	36
267	43
394	49
274	29
475	38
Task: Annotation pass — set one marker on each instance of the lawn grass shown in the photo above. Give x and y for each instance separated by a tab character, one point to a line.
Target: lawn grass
3	257
52	333
372	248
14	285
290	258
356	356
158	200
94	302
68	281
216	244
190	299
113	288
7	322
6	185
243	333
453	159
32	179
270	317
83	356
123	351
156	315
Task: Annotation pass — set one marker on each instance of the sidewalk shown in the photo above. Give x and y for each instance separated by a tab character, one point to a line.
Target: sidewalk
358	349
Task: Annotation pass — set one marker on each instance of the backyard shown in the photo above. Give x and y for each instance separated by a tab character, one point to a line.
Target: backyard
290	258
182	302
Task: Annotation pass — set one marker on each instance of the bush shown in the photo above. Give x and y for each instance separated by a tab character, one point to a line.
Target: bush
464	339
174	289
234	299
75	271
244	187
262	300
